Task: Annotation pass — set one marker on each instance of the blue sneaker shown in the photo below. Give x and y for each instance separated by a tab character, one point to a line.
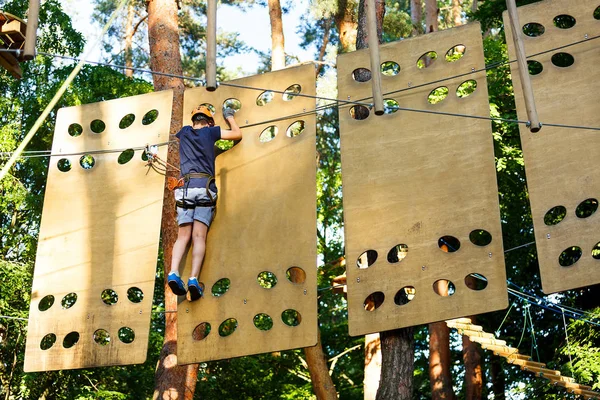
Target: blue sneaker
176	284
195	289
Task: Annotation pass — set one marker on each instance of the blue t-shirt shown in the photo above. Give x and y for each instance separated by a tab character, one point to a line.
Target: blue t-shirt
197	153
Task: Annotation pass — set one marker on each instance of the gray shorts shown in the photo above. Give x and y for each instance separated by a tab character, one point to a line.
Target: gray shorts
188	215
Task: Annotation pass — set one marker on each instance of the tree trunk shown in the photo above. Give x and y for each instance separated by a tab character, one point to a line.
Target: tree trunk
171	381
416	16
431	15
129	40
440	367
322	384
277	39
323	48
472	363
474	6
362	37
397	365
345	20
497	373
372	366
457	12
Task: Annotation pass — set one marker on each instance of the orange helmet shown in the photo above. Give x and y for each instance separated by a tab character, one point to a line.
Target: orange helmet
204	110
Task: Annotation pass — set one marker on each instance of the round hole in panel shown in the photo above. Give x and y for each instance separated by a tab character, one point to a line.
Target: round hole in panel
150	117
361	75
46	302
267	279
533	29
97	126
135	295
366	259
448	244
63	165
125	156
232	103
374	301
466	88
295	129
109	297
126	335
426	60
564	21
476	281
480	237
586	208
48	341
70	340
596	251
227	327
456	53
102	337
291	92
75	130
535	67
126	121
390	106
359	112
397	253
291	317
555	215
221	287
405	295
390	68
87	161
563	60
264	98
444	287
201	331
437	95
597	13
268	134
296	275
263	322
69	300
569	256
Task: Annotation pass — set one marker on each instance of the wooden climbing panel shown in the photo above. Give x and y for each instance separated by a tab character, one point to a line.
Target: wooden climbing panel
488	341
422	223
96	259
12	37
562	164
259	271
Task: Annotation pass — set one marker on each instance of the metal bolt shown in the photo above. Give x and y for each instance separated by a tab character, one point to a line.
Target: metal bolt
304	109
348	97
490	255
357	280
245	301
409	84
305	291
423	268
88	317
187	310
246	121
108	143
547	236
159	135
586	36
140	311
472	69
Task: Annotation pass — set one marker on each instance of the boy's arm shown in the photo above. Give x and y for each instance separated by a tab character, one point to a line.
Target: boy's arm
235	132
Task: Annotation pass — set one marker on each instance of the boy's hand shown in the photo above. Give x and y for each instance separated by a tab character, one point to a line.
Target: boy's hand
228	113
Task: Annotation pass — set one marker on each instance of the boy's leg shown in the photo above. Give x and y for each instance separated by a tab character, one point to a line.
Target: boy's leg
180	247
199	233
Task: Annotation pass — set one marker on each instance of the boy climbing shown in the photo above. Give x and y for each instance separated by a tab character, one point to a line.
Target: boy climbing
196	198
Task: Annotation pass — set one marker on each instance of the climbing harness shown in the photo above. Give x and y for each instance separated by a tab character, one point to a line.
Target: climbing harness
189	204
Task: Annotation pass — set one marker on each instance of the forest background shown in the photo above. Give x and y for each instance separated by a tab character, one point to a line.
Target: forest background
329	27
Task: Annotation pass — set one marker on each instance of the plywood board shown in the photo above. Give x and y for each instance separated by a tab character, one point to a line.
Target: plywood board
265	222
562	164
99	233
412	178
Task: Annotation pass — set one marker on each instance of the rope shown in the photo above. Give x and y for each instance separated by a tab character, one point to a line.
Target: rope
36	126
506	316
533	340
567	337
17	318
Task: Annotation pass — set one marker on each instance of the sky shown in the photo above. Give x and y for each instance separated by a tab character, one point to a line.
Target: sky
253	26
